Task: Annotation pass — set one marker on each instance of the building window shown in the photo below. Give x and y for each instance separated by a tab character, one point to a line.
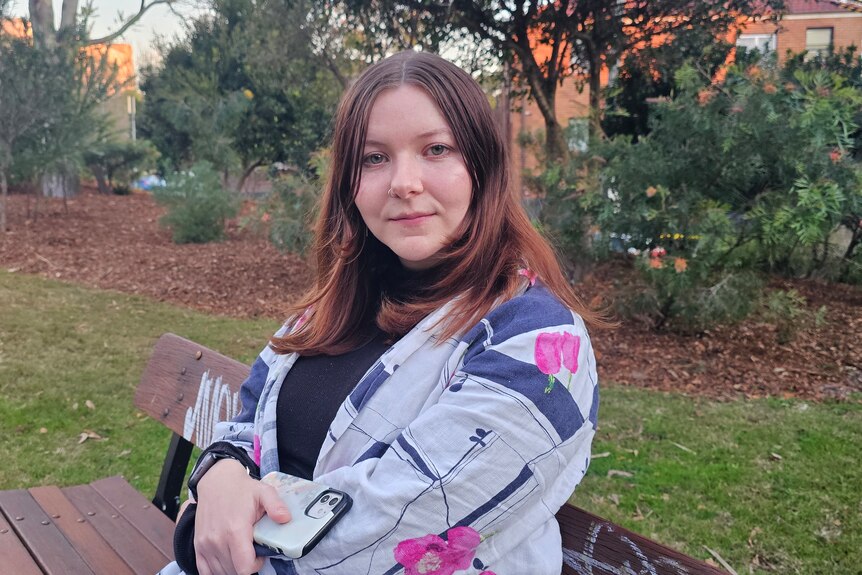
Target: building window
818	42
763	43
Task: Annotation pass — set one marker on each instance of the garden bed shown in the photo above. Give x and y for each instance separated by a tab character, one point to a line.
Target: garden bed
115	242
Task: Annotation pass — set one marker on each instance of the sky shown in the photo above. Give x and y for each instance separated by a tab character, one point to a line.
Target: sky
159	21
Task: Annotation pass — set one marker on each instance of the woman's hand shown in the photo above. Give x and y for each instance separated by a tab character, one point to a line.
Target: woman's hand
229	504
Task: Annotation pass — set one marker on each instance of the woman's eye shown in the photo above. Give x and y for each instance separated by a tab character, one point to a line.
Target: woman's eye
374	159
438	149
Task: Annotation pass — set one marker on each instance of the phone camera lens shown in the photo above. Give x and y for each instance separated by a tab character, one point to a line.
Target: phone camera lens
325	498
333	501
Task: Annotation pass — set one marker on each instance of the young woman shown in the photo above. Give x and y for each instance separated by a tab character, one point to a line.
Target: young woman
438	370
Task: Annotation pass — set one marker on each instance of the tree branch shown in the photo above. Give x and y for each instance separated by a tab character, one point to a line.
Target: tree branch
68	14
42	21
128	23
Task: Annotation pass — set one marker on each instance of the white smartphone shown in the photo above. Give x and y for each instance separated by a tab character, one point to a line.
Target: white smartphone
314	509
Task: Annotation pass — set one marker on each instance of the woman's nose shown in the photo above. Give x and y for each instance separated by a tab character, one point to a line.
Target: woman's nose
406	178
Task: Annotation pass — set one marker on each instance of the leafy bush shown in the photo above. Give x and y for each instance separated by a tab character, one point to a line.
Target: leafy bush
288	213
197	203
687	294
119	162
788	312
753	174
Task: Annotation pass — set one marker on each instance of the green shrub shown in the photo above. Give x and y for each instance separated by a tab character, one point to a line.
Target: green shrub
686	295
754	174
789	313
116	164
286	216
197	204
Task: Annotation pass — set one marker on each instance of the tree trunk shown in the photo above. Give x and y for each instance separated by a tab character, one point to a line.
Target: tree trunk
855	240
544	95
555	141
4	193
68	14
59	184
246	173
42	21
101	180
595	95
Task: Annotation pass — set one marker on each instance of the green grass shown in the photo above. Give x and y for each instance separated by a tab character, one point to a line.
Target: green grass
61	346
772	483
720	487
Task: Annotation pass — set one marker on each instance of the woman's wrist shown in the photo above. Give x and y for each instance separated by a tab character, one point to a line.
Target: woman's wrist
215	453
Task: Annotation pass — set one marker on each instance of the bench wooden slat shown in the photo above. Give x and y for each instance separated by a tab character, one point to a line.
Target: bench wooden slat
141	555
46	543
77	529
169	387
594	545
187	388
15	556
153	525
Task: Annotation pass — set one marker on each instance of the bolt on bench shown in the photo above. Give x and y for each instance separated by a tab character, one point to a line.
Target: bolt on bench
108	528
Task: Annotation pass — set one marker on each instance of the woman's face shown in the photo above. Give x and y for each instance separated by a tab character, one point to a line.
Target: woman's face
415	188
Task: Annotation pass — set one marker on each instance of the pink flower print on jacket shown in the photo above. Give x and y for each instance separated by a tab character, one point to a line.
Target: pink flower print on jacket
256	452
555	351
432	555
529	274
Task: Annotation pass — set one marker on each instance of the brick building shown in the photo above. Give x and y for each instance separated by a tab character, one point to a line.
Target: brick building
813	25
817	26
120	106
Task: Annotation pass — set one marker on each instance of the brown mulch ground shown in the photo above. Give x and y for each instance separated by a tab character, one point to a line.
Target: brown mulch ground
115	242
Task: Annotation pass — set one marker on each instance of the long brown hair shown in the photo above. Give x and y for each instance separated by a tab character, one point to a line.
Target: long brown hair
482	263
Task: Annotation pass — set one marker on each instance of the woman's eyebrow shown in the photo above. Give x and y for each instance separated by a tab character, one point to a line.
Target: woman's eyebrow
436	132
423	135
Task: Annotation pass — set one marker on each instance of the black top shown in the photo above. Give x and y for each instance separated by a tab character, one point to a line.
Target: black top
316	386
309	398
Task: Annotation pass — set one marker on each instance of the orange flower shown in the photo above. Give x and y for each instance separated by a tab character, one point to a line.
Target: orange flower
655	263
755	72
705	96
680	265
769	88
651	191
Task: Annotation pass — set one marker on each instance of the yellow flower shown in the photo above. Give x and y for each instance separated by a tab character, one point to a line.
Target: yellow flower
680	265
248	94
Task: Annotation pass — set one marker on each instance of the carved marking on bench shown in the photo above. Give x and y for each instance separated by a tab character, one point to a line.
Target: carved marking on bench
583	562
215	402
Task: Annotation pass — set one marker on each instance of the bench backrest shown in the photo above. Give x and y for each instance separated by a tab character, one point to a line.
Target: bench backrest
189	388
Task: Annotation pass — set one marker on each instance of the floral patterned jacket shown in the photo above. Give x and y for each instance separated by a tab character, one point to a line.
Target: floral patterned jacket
457	453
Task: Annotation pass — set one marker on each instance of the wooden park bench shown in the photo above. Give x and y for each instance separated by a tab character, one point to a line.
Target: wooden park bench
107	527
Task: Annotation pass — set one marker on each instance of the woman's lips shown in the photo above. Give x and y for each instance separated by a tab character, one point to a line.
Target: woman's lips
411	218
